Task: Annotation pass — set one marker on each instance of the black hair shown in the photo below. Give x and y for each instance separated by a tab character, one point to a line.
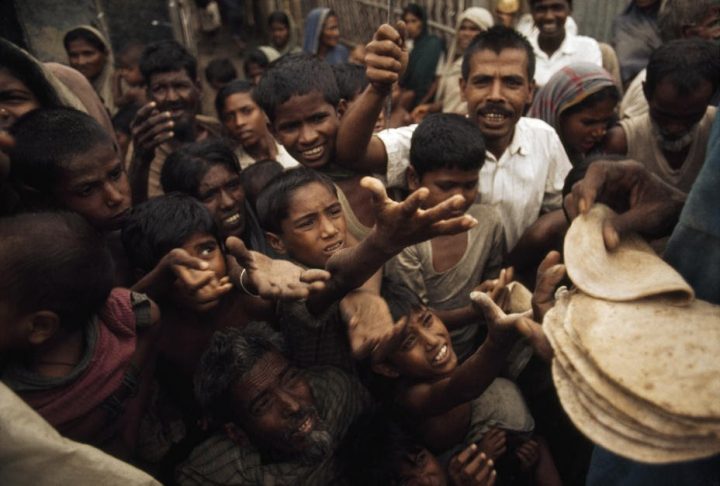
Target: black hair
416	10
123	118
220	71
133	51
373	448
166	56
54	261
81	33
685	63
185	167
47	140
295	75
236	86
231	354
446	141
273	203
257	176
606	93
400	298
351	79
497	38
26	69
255	56
161	224
278	16
533	2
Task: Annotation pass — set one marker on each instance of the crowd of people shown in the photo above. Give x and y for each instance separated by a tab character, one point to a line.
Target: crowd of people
338	273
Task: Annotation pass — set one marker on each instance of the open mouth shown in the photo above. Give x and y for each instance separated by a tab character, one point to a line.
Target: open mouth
314	153
442	355
232	222
494	117
330	249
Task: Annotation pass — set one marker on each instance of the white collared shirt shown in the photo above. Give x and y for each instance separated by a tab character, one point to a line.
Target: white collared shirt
526	180
575	48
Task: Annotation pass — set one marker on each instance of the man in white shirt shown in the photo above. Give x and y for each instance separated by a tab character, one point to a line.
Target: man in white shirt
525	165
554	45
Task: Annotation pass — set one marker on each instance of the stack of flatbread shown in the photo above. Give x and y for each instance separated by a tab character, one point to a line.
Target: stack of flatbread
637	357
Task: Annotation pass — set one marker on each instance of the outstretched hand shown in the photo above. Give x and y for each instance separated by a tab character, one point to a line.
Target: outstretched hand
642	201
472	467
371	329
497	288
270	278
400	224
387	56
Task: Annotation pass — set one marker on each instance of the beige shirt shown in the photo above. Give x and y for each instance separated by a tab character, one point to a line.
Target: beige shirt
451	289
33	452
643	148
526	181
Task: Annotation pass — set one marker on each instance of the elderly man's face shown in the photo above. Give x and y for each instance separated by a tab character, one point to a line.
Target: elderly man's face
275	407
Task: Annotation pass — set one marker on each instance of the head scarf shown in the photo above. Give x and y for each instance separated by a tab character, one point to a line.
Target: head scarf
448	89
270	53
103	83
478	16
424	57
54	84
291	47
313	31
568	87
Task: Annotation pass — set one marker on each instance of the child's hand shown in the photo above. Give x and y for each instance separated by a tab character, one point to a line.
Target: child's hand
497	288
160	279
472	468
399	224
386	57
549	274
201	289
270	278
150	128
371	329
528	454
502	327
494	443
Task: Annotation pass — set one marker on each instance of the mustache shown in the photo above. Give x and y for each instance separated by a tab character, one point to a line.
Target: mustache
494	108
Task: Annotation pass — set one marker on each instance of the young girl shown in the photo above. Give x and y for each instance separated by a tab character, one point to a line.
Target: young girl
579	101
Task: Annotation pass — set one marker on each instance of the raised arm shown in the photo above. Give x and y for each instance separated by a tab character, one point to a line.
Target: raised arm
472	377
386	60
397	225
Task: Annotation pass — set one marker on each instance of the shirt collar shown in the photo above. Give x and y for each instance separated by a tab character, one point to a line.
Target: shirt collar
518	145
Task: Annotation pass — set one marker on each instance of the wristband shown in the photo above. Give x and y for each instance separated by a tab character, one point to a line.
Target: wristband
242	286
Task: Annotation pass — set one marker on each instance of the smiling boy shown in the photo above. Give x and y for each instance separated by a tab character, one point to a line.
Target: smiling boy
525	164
301	98
446	154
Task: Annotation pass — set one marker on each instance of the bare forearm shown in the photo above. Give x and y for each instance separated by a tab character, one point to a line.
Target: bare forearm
468	381
354	135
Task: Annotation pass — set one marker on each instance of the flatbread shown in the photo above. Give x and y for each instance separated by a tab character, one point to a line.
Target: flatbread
589	424
630	272
656	352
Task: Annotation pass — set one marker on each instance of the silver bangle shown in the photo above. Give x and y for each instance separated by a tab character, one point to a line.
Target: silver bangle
242	286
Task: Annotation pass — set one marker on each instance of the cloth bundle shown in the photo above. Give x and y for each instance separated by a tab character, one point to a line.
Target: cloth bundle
636	355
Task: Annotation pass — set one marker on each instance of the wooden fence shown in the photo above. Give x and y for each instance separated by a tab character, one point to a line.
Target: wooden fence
360	18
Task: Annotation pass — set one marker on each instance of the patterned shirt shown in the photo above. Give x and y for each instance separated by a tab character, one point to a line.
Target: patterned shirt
339	399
